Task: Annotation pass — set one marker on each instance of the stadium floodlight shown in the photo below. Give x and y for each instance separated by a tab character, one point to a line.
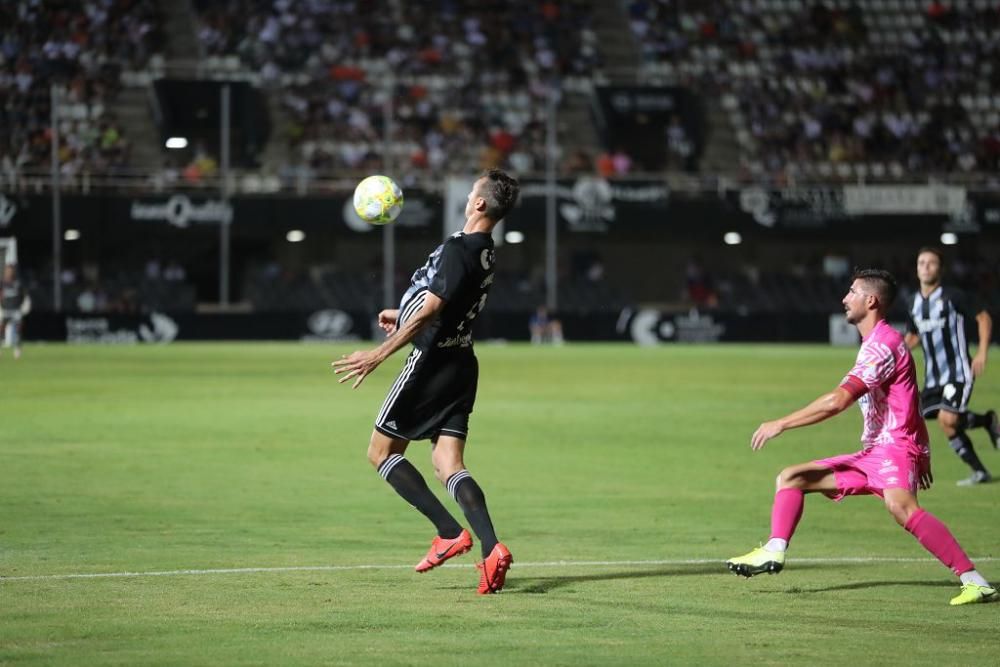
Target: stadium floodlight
177	142
71	235
949	238
732	238
295	236
513	237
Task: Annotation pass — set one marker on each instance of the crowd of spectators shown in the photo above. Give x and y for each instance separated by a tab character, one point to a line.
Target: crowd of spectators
80	47
126	288
893	86
470	80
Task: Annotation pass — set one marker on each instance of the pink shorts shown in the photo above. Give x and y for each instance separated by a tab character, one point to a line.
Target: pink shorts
872	471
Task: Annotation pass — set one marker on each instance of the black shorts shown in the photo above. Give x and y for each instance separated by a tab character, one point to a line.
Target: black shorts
433	395
952	397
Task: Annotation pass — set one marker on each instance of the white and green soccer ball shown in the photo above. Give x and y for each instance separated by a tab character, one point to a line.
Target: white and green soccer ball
378	200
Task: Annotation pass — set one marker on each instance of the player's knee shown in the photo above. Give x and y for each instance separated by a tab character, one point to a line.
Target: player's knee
948	422
445	465
789	478
901	510
377	453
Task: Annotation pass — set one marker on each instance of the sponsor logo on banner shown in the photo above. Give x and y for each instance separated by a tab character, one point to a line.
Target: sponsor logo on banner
329	325
591	209
7	210
652	327
591	204
180	211
904	199
793	207
160	329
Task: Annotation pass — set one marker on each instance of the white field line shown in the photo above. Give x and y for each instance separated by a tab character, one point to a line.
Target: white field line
517	565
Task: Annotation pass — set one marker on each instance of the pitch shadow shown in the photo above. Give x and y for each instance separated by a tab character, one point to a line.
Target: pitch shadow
861	585
542	585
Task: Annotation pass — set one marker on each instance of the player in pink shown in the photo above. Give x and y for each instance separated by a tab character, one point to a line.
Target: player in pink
894	460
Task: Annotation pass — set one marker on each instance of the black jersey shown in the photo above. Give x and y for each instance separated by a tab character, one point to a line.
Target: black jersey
460	271
940	319
11	295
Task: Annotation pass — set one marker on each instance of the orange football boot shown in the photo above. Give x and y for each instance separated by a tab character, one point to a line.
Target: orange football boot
494	570
443	548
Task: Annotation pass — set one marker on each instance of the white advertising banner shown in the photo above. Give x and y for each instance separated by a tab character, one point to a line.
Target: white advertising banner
904	199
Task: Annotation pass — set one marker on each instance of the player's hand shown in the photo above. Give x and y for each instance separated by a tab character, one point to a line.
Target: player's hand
765	432
387	320
978	364
924	470
356	365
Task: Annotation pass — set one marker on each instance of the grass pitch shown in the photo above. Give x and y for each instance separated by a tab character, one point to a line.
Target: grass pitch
232	479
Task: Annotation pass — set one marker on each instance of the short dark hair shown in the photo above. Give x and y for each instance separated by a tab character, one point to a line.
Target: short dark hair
500	192
879	281
934	250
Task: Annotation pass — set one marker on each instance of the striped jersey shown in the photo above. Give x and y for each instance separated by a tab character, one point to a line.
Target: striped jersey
460	271
11	295
940	319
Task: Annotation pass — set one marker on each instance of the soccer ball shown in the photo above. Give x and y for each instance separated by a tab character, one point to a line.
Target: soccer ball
378	200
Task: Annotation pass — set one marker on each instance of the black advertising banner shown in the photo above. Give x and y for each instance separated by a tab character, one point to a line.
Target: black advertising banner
328	325
632	209
854	211
641	326
591	205
30	216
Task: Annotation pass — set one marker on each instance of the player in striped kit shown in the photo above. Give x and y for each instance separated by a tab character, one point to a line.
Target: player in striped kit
14	305
938	317
434	394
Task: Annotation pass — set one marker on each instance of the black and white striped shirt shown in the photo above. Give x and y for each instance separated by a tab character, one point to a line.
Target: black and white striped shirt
460	271
940	319
11	295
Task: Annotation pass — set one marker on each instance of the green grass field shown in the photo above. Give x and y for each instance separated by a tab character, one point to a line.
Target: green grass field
620	477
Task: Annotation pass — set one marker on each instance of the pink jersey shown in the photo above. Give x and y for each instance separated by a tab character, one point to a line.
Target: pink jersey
886	376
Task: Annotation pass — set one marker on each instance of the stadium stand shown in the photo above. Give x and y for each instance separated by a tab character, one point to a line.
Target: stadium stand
826	92
81	48
469	79
839	90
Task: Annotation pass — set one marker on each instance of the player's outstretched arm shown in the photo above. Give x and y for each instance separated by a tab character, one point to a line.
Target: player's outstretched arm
824	407
911	340
359	364
985	326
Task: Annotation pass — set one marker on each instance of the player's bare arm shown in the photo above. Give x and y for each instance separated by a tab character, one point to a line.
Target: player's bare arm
361	363
824	407
387	320
985	325
911	340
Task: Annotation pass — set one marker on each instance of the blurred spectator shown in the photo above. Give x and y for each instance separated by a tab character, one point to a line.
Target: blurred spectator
545	328
699	285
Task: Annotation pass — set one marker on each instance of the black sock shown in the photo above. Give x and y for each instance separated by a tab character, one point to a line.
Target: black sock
963	447
972	420
470	498
410	484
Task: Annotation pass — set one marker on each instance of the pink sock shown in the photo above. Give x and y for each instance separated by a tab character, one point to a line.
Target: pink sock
936	538
786	512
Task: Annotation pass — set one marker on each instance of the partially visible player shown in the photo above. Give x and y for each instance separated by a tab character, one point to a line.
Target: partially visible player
434	394
544	327
894	460
14	305
938	315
